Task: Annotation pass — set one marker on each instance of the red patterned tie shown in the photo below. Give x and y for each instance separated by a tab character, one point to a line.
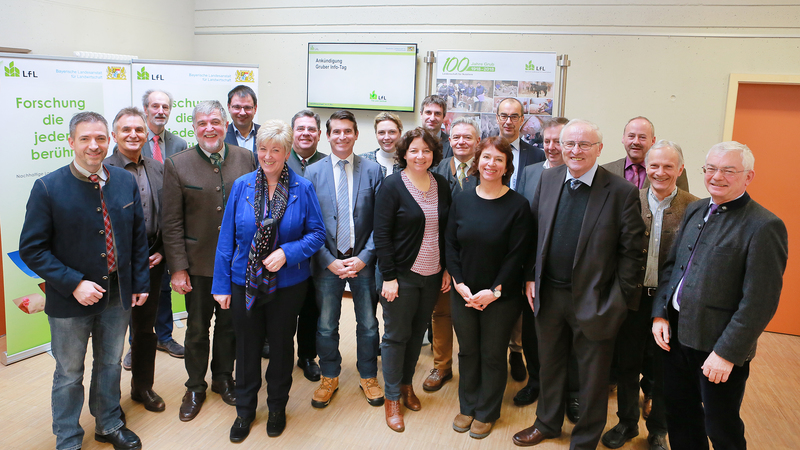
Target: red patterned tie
157	150
112	260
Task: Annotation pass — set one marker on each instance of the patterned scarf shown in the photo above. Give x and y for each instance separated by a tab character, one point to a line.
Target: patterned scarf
264	241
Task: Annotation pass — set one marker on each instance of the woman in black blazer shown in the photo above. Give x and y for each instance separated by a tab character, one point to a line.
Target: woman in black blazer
410	219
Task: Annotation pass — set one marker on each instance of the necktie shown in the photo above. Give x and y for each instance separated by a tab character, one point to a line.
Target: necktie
462	168
343	206
303	164
574	184
711	212
216	159
636	179
157	150
110	257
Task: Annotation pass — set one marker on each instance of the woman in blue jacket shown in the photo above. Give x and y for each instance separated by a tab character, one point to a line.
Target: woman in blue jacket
271	227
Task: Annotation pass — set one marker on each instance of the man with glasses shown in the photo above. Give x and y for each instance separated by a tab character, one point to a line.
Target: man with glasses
510	118
581	277
242	106
717	292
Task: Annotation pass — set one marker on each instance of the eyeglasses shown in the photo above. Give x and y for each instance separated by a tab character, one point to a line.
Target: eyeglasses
237	108
726	171
583	145
505	117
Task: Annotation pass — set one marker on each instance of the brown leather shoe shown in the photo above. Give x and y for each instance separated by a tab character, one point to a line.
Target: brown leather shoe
529	436
479	430
372	390
324	393
226	389
647	406
190	405
394	417
462	423
409	398
436	379
148	397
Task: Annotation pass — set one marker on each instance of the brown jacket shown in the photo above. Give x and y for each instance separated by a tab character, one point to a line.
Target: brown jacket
193	198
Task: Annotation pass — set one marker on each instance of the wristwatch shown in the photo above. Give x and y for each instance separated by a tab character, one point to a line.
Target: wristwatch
497	293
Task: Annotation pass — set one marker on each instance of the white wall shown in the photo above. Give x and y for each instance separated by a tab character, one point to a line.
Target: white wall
669	62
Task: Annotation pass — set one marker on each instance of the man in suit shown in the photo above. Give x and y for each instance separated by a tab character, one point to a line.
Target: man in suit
306	132
529	178
346	185
130	133
242	105
432	111
84	234
717	292
638	136
583	274
196	182
510	118
161	144
663	206
464	139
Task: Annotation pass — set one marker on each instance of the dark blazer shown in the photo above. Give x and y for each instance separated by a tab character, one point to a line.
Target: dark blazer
732	290
447	168
618	168
367	180
528	180
528	155
447	150
400	225
294	161
155	178
172	145
230	136
194	197
669	224
609	260
62	238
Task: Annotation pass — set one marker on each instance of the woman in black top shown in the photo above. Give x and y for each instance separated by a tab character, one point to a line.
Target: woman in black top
410	218
487	235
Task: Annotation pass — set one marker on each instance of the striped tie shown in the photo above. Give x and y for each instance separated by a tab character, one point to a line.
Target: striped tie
343	206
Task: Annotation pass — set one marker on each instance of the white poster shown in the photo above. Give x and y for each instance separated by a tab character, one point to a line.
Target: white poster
475	82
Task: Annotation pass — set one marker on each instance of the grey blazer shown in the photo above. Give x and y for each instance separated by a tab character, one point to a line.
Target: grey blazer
172	145
732	290
367	180
618	168
528	180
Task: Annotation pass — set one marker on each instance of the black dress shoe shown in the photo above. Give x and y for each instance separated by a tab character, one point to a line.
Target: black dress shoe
265	350
573	410
310	368
240	429
621	433
226	390
276	423
148	397
190	405
518	372
657	442
121	439
526	396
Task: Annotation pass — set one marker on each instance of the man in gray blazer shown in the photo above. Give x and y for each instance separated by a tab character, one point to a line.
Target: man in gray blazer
196	183
637	138
242	106
583	274
130	133
716	294
346	185
510	118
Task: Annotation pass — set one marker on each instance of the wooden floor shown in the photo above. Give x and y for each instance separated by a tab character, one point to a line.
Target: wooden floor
770	411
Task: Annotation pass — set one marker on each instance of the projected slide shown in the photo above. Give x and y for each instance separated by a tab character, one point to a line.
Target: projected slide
362	76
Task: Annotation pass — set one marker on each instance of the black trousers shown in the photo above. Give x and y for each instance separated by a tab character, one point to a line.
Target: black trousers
143	336
200	308
634	336
307	324
274	320
697	409
482	348
556	324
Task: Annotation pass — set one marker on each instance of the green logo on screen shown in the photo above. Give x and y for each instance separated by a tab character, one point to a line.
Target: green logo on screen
373	97
142	74
531	67
10	70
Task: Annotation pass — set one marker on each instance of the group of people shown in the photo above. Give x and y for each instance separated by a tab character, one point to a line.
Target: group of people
588	270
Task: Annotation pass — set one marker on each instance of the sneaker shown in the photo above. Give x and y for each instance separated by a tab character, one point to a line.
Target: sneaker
173	348
126	361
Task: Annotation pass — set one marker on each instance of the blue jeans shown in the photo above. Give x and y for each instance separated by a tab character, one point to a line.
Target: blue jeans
69	338
330	289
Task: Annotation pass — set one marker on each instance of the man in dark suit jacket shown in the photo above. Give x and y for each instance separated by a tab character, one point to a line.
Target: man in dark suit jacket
663	206
196	182
84	234
510	118
717	292
157	108
639	135
242	106
348	256
433	112
306	132
130	133
584	273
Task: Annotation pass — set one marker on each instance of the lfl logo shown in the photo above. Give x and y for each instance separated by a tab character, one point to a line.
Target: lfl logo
13	71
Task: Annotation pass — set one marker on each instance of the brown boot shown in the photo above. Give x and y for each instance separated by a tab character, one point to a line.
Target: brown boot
394	417
409	398
324	393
